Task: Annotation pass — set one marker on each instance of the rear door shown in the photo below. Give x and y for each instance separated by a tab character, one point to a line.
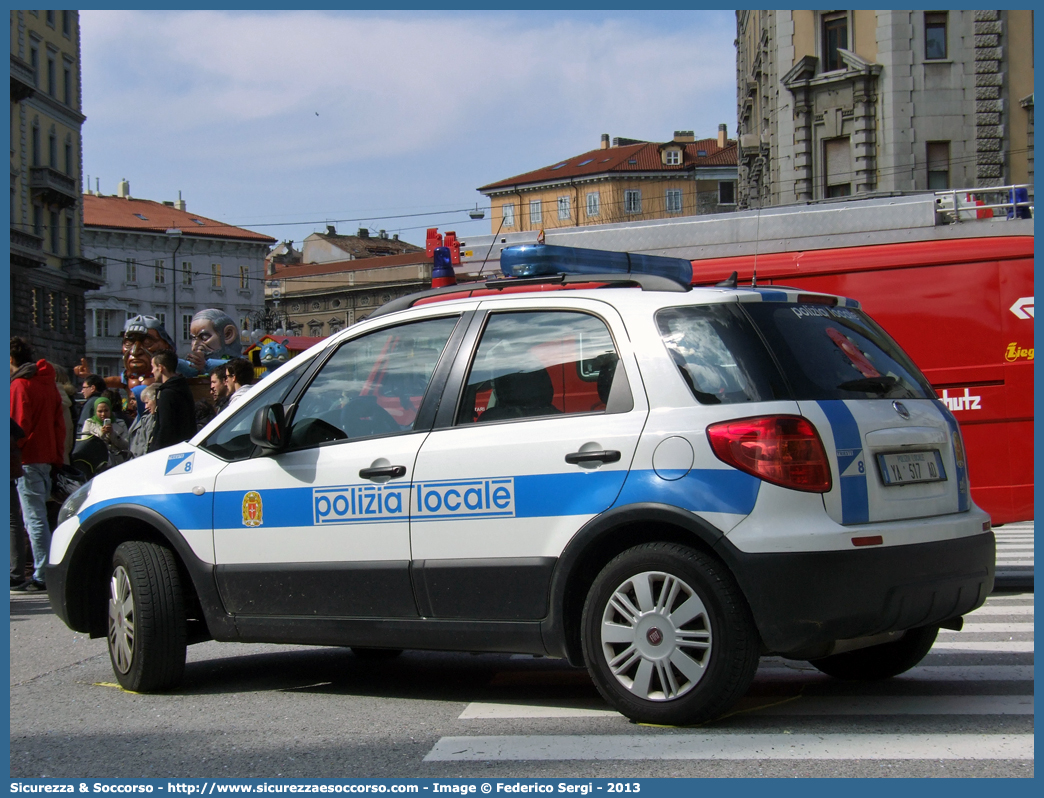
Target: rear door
550	413
896	450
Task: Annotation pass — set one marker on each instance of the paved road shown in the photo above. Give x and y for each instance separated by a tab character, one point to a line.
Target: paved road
294	711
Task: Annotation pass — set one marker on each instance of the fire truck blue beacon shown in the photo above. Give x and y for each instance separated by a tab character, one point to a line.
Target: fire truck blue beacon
586	458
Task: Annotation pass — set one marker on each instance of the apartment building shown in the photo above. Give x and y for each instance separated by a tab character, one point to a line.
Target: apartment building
841	103
159	259
630	180
49	274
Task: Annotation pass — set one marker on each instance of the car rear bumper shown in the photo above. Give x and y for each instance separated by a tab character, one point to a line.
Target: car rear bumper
804	601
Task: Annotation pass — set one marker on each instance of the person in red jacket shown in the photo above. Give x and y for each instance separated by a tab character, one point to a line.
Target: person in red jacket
37	408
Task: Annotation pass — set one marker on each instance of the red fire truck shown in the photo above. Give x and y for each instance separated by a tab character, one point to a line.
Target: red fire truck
949	275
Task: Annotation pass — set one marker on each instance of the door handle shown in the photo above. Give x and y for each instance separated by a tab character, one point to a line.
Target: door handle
392	472
603	456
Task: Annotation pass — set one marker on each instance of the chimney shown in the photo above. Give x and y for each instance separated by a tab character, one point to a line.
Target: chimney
180	204
364	232
723	135
395	236
684	136
382	234
605	141
123	189
331	230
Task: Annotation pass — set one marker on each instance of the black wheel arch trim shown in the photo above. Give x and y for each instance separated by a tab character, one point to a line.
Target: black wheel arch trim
560	638
73	608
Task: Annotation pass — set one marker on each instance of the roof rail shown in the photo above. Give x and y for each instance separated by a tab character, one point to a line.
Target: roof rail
646	282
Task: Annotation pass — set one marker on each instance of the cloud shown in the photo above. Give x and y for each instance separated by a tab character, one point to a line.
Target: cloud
237	92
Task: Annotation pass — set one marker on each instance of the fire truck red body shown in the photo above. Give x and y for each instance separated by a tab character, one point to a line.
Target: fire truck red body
963	309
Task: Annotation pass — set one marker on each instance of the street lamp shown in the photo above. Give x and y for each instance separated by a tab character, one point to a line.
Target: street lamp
174	232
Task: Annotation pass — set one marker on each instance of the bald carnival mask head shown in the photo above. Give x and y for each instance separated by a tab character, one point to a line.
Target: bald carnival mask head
214	335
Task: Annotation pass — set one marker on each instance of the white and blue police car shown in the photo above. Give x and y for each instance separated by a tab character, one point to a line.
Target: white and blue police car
592	460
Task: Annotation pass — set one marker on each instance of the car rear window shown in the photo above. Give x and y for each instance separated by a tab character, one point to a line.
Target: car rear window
720	355
836	353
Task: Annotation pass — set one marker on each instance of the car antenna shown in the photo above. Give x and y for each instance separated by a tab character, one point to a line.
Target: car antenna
492	244
757	240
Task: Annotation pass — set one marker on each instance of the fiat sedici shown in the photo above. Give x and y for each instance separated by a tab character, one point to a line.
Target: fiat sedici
586	459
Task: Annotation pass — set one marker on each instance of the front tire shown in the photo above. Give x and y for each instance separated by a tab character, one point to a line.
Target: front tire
882	661
146	626
667	635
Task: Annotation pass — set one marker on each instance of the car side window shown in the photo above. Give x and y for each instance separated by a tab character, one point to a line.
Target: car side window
372	385
539	363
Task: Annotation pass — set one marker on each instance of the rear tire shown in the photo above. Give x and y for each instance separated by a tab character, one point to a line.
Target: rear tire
883	661
667	635
146	618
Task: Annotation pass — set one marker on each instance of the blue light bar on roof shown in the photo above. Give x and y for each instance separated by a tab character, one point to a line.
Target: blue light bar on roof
531	260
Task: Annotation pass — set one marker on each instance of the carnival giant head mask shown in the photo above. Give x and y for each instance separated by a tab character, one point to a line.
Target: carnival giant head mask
143	336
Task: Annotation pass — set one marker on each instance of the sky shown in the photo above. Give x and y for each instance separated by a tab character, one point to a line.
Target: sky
284	122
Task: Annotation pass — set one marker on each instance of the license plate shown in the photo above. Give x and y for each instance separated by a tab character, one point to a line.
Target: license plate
907	468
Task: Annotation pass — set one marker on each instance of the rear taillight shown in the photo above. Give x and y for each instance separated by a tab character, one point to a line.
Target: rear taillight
784	450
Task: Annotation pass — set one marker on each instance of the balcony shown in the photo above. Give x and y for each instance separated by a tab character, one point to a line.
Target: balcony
84	273
27	249
52	187
23	80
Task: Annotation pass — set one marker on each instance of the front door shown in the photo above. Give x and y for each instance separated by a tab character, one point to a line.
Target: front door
322	528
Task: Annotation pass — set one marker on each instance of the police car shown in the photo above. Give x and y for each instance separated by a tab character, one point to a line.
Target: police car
592	461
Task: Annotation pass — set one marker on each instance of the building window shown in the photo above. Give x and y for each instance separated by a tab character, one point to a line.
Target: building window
673	157
68	159
633	200
507	210
36	145
70	235
674	200
38	221
160	275
52	150
563	209
835	37
934	34
838	172
67	23
938	165
244	277
52	79
593	200
186	326
162	319
34	62
215	275
50	18
132	271
54	232
186	272
536	215
67	86
726	192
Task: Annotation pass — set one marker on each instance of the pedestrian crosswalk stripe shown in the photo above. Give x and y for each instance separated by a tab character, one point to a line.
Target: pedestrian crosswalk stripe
785	705
995	609
997	628
732	746
1001	646
922	673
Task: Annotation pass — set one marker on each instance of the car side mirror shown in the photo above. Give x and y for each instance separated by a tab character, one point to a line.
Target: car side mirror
268	429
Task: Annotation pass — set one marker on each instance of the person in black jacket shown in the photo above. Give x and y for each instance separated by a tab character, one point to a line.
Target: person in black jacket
175	407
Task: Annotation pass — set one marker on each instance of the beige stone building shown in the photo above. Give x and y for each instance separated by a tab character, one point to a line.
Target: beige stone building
48	274
627	181
840	103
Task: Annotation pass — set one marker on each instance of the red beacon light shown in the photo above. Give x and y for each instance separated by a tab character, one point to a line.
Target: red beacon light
442	273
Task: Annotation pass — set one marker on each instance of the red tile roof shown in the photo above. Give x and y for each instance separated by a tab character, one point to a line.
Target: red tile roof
293	270
642	157
155	217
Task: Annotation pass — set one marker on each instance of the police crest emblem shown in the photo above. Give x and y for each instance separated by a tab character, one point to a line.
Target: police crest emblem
252	509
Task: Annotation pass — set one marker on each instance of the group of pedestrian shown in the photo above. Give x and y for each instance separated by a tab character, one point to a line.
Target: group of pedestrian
46	434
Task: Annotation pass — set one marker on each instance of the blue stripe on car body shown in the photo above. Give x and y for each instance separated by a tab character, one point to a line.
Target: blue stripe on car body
851	466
